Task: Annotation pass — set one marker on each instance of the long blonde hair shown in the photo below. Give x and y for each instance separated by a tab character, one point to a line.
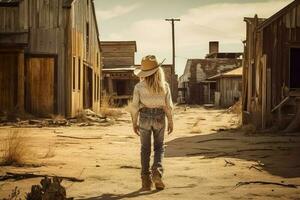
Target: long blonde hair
156	82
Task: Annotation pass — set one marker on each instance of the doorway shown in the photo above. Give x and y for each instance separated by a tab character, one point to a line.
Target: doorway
294	68
8	81
39	86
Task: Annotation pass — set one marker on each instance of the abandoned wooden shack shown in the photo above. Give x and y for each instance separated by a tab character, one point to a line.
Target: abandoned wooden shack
271	70
194	88
118	67
228	87
49	57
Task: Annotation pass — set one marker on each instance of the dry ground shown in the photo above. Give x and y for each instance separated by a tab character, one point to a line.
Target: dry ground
195	160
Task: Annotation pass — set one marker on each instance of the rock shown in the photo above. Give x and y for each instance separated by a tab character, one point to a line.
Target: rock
48	190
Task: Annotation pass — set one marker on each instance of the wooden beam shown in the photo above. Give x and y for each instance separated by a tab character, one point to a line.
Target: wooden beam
21	81
264	91
110	86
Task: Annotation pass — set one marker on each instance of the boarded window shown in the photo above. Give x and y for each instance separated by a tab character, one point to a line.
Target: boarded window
74	74
79	74
294	68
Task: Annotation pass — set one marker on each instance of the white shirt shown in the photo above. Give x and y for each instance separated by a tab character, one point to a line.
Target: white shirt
142	97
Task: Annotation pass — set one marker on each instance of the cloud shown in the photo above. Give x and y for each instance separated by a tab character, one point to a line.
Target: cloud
116	11
221	21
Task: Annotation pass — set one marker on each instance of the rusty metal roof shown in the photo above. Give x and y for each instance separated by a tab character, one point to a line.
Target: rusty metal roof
9	1
237	72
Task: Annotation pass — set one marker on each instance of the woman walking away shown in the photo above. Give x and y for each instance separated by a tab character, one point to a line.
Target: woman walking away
151	104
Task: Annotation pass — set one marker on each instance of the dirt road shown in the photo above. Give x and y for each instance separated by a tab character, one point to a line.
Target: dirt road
205	159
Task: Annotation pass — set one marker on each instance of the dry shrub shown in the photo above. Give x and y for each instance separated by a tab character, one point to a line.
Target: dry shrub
108	109
15	149
236	108
129	108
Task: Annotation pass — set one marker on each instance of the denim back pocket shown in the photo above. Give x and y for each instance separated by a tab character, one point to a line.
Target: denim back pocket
145	121
158	121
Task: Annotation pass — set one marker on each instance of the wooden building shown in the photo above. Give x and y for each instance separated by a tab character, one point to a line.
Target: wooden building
271	70
194	88
49	57
118	67
228	87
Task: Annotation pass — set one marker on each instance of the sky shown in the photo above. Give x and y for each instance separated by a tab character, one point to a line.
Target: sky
202	21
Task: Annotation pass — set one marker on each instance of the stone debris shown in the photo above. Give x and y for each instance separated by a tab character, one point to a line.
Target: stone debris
86	118
50	189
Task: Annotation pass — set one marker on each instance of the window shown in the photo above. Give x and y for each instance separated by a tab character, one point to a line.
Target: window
98	88
95	87
97	59
87	38
294	68
79	74
74	73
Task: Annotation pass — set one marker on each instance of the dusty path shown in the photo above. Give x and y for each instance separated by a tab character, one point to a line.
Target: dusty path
204	160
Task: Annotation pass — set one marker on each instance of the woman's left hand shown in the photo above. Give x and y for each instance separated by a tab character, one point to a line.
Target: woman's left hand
136	129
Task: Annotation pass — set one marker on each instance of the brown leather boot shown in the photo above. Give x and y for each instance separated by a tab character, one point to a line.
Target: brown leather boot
157	179
146	182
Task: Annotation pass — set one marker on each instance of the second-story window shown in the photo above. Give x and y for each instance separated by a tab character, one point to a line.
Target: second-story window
87	38
74	74
97	59
79	73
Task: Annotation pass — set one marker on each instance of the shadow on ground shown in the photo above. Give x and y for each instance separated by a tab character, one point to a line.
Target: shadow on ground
134	194
279	154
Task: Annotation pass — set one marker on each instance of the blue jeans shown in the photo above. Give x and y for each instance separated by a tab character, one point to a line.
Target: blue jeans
152	122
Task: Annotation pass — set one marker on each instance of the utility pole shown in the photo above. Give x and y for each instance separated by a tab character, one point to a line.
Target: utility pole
172	20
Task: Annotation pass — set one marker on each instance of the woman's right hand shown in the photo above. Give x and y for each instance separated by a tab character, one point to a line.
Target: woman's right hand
136	129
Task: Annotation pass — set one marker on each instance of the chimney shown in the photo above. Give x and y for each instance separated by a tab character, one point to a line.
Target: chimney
213	47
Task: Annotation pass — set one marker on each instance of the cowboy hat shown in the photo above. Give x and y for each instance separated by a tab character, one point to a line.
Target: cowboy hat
149	66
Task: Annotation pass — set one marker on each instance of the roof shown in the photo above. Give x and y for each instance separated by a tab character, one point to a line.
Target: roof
238	72
9	2
279	14
163	65
111	43
230	55
120	69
